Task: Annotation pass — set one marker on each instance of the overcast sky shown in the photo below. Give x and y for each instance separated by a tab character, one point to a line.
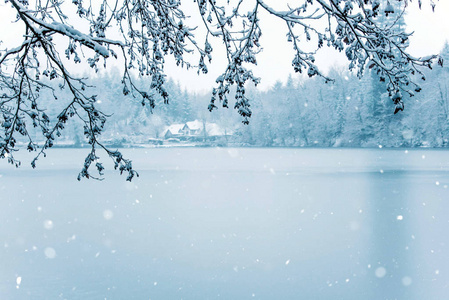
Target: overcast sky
431	31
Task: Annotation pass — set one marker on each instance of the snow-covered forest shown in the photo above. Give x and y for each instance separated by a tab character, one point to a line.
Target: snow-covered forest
350	113
299	113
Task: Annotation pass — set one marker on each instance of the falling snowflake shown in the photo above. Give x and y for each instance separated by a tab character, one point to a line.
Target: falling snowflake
108	214
50	252
380	272
406	281
48	224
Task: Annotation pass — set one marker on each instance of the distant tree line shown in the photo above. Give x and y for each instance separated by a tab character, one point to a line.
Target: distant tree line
350	113
300	113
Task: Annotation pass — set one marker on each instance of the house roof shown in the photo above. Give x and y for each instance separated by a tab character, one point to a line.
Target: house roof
194	125
212	129
174	129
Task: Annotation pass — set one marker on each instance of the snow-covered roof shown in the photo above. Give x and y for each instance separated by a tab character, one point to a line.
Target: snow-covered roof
212	129
194	125
174	129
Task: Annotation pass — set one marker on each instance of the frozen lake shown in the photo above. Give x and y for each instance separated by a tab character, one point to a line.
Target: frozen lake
206	223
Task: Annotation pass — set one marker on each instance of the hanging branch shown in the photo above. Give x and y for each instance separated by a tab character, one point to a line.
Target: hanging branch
145	32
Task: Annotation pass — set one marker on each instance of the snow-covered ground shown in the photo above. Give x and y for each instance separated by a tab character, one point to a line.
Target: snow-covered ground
211	223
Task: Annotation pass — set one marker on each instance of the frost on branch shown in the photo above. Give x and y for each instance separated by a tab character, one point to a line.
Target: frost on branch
367	31
142	33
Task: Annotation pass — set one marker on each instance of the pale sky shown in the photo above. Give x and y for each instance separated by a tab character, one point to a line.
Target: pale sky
431	31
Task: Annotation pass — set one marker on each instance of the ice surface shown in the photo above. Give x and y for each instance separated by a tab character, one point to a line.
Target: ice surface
225	225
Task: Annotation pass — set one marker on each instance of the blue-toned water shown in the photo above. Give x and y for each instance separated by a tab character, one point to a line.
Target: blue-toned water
229	224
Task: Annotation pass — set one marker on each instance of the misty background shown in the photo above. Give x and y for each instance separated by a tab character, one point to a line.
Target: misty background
299	113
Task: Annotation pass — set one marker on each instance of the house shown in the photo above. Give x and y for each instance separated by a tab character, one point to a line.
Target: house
196	131
193	128
173	131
